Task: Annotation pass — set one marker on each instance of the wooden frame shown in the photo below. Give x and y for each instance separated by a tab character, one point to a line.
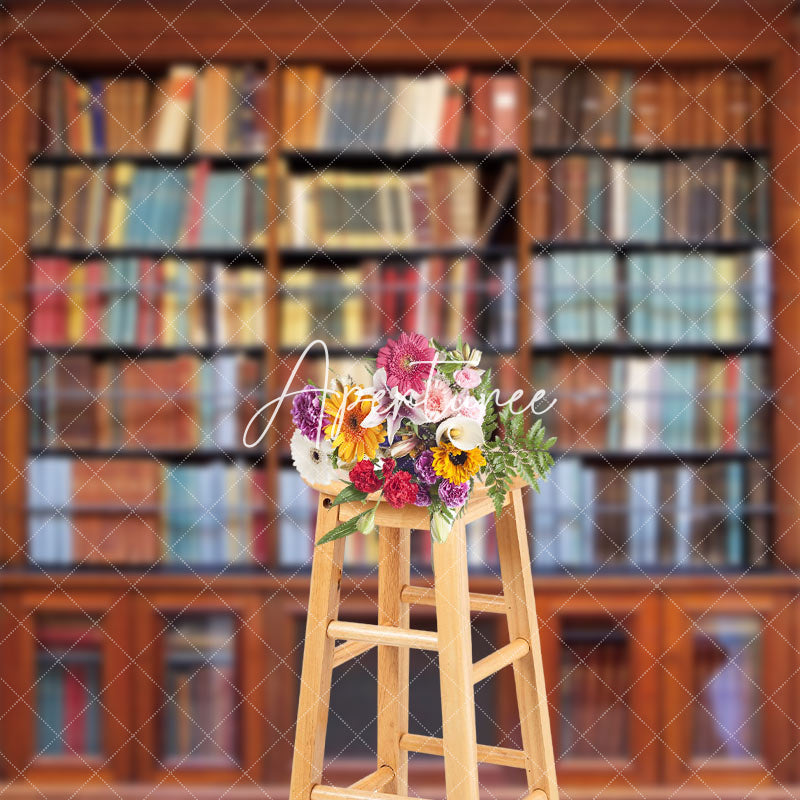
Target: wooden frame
772	614
633	614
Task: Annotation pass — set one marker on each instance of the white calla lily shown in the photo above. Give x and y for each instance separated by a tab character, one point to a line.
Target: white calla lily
462	432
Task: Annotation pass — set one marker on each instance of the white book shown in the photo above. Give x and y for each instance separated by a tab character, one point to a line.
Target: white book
571	551
419	94
434	110
760	299
619	204
540	296
545	521
476	543
174	115
508	304
684	483
643	517
398	130
224	369
636	429
299	197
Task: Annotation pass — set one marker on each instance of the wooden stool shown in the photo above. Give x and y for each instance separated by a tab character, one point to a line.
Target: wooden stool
393	636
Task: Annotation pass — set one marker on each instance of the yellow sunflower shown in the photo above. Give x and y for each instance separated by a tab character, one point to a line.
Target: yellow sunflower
457	466
344	429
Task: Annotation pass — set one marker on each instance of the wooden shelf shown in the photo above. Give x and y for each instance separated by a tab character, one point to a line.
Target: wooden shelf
97	160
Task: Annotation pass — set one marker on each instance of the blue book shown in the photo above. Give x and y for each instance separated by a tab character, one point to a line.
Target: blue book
98	116
49	708
735	540
644	201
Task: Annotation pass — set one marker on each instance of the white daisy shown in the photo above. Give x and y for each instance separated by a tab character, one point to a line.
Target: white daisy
312	462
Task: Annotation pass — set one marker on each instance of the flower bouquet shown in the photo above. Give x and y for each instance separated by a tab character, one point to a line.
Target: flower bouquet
423	434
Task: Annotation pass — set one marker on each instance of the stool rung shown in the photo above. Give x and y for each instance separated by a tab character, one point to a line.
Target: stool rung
334	793
487	754
425	596
349	650
536	794
383	634
502	657
375	781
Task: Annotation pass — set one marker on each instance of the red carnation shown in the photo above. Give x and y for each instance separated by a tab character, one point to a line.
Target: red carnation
388	466
364	478
400	490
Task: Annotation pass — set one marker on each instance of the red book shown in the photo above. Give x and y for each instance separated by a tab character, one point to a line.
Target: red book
95	275
410	300
470	298
75	701
504	111
453	113
390	293
730	415
49	300
481	111
196	205
148	316
436	291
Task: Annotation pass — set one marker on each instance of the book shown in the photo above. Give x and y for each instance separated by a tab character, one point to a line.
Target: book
396	112
648	107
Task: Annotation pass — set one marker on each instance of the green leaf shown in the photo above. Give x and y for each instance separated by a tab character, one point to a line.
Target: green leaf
348	495
343	529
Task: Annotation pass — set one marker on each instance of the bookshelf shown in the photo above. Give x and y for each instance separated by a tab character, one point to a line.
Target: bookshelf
629	633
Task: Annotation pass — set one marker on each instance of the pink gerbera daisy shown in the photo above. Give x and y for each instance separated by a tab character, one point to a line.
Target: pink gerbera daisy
405	362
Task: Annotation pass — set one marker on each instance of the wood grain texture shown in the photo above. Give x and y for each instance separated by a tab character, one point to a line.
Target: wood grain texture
515	570
455	666
315	680
394	572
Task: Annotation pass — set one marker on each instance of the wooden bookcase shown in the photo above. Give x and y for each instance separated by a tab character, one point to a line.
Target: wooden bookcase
657	620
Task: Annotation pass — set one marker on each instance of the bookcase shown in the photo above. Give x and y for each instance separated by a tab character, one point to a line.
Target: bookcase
606	210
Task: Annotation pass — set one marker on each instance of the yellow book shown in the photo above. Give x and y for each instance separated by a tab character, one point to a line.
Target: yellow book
76	316
169	336
118	212
296	311
353	311
726	304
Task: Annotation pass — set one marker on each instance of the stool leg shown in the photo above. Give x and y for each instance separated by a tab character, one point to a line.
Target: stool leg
394	572
455	665
515	568
315	681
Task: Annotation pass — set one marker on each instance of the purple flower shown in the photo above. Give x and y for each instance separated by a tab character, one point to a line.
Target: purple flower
423	498
423	466
307	411
454	495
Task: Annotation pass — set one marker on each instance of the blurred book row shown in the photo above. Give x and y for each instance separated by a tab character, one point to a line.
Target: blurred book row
696	200
221	108
138	512
451	110
157	403
214	109
130	205
669	404
675	106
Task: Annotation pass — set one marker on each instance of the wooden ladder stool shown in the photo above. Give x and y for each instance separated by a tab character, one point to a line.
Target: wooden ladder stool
393	637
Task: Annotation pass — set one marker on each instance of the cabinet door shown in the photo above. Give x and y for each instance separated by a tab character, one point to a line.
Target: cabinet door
727	663
72	676
198	716
600	656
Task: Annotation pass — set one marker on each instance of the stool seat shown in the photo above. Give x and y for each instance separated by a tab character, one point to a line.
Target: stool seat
479	505
394	636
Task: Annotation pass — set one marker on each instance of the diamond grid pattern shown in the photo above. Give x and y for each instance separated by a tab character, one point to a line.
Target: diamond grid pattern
208	582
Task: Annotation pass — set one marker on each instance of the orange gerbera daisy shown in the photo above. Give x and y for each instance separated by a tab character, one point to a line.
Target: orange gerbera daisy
347	409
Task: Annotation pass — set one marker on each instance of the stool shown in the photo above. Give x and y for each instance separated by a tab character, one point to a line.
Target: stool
452	640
